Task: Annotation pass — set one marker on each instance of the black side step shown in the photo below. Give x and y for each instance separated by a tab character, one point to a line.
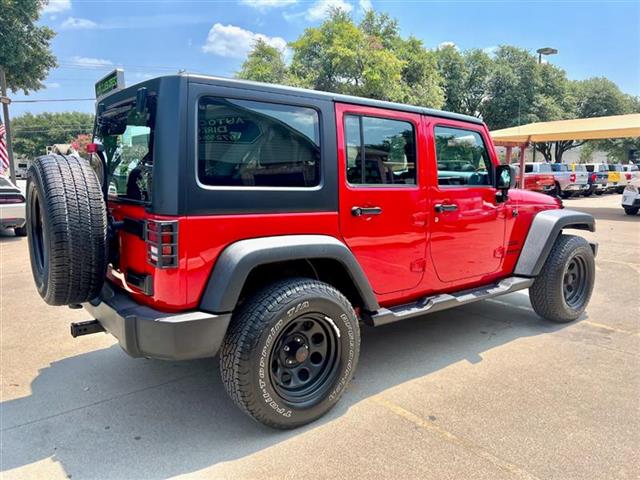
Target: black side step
86	328
446	300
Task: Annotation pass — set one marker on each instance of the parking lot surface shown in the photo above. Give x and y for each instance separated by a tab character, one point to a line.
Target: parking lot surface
483	391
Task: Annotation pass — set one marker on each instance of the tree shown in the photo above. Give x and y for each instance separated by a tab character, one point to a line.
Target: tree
264	64
33	133
368	60
80	144
25	47
452	69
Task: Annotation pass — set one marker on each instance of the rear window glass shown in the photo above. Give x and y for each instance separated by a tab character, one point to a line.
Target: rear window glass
528	168
579	168
243	143
544	168
589	168
559	167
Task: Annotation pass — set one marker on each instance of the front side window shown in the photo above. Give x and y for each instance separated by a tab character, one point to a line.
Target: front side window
462	158
380	151
243	143
559	167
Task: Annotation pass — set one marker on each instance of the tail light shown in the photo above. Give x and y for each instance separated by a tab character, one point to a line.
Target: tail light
628	175
161	238
12	198
593	178
572	177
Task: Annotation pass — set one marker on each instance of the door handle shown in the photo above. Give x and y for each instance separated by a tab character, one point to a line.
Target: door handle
360	211
445	207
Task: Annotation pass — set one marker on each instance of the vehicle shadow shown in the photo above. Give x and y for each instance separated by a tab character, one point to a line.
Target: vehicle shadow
7	235
104	415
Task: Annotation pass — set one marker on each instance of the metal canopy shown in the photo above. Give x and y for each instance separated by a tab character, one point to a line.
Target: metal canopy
616	126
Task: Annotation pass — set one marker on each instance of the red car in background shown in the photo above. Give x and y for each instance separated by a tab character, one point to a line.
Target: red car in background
536	181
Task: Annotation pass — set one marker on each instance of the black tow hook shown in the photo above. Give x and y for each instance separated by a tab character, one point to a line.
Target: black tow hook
86	328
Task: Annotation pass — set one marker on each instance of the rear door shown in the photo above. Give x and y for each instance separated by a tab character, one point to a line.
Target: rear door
468	229
382	197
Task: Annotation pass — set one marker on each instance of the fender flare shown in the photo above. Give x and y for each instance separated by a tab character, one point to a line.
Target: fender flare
237	260
544	231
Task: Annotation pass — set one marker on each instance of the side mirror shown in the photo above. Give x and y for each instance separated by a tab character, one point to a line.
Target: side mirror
504	179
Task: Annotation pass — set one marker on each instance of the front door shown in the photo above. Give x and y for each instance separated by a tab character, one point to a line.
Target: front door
467	234
382	197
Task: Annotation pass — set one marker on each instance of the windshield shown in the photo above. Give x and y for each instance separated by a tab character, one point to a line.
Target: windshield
127	138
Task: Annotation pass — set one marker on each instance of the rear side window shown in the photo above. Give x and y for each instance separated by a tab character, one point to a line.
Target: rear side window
544	168
559	167
243	143
589	168
528	168
462	158
380	151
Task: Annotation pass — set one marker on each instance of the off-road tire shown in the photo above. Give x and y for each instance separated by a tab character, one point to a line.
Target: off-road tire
598	192
547	294
67	229
631	210
557	191
20	231
250	349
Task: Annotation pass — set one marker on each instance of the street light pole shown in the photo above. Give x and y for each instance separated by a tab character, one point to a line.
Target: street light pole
540	52
7	127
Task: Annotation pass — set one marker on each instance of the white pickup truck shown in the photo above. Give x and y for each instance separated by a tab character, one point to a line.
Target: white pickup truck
569	183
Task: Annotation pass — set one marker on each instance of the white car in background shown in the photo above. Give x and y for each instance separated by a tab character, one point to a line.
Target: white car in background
631	197
631	171
12	207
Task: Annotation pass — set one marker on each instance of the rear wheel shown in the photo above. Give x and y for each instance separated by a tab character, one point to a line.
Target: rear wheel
290	351
562	290
20	231
67	229
631	210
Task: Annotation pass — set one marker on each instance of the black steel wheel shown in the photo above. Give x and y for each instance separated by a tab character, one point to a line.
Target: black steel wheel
562	290
290	351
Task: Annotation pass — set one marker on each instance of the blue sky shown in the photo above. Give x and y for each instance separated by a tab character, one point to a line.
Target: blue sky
149	38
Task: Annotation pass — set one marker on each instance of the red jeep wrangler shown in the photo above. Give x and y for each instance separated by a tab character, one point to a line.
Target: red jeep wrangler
264	223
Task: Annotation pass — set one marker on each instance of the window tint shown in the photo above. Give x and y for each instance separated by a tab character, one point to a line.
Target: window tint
246	143
528	168
559	167
462	157
589	168
380	151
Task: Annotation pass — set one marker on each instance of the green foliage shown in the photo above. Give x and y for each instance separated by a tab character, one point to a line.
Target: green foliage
264	64
33	133
24	46
369	60
599	97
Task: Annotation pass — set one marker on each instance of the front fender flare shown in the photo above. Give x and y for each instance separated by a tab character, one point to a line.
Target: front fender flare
236	262
544	231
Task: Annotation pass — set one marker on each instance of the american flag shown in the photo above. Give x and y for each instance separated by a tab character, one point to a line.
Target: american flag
4	154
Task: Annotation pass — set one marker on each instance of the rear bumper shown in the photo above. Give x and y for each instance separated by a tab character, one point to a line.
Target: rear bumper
12	215
145	332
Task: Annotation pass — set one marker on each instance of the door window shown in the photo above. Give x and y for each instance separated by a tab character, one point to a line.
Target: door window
380	151
462	158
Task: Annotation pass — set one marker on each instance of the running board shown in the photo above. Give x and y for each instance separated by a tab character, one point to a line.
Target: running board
446	300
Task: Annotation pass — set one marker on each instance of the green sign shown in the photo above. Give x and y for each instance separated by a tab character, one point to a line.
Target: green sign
112	81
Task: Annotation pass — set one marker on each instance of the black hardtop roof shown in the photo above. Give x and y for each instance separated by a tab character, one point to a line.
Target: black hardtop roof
316	94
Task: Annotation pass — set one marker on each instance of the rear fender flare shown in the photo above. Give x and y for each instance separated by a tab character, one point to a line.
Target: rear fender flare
236	262
544	231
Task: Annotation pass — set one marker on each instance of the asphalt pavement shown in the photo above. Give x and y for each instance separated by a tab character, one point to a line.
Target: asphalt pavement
487	390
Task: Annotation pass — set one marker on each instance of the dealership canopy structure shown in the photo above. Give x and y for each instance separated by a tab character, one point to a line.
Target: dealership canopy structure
616	126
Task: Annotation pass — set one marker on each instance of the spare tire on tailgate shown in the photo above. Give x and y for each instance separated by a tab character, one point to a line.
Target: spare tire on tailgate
67	229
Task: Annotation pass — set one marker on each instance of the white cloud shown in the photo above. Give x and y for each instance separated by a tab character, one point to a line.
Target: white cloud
56	6
233	41
267	4
448	44
320	9
365	5
490	50
90	62
73	23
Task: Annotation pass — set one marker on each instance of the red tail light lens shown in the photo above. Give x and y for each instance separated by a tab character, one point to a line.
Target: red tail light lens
11	198
572	177
628	175
593	178
161	238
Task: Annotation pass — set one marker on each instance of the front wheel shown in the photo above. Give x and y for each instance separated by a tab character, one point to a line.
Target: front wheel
290	351
562	290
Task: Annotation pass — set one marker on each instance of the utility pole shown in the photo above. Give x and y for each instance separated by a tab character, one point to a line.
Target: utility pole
7	127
